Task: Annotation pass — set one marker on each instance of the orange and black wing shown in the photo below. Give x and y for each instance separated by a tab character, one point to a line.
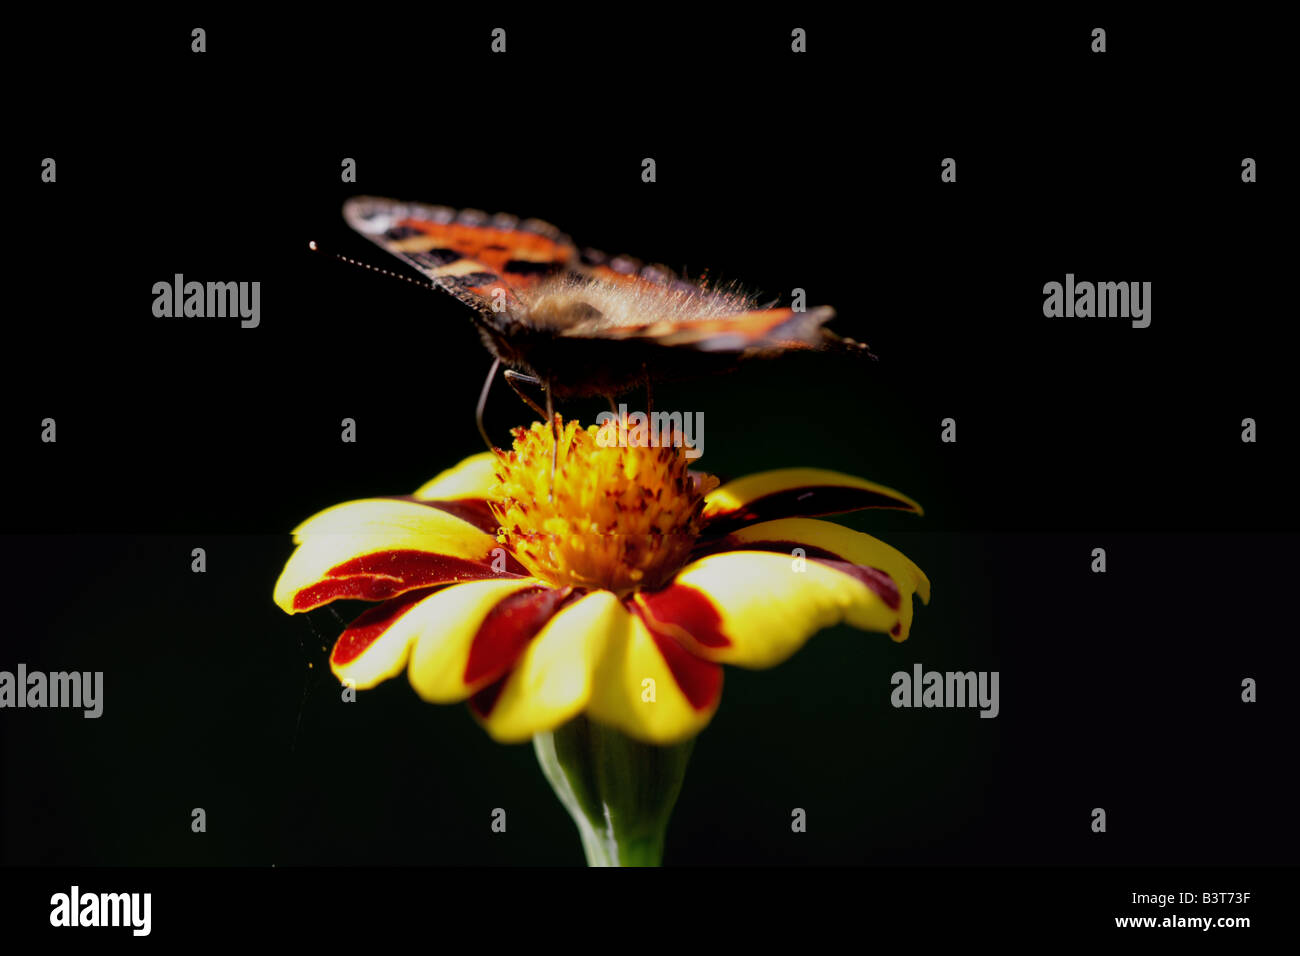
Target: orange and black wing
476	257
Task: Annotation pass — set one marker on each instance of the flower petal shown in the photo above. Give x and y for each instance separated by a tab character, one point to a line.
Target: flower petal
475	511
796	491
825	540
472	478
376	548
371	649
651	688
552	680
445	626
755	609
469	635
463	491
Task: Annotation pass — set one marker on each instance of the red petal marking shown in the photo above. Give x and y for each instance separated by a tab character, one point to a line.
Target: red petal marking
875	579
897	629
808	501
689	609
508	629
378	576
367	628
482	701
700	680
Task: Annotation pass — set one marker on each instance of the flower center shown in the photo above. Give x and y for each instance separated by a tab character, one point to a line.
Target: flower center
620	518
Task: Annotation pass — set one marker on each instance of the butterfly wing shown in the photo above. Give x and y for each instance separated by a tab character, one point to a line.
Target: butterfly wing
754	331
740	328
587	323
476	257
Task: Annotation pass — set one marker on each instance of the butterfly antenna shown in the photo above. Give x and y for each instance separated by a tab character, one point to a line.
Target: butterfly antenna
482	402
365	265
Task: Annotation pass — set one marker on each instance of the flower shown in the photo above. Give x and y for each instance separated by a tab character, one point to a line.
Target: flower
616	588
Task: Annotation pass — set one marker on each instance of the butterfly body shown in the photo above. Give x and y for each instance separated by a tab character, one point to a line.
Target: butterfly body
583	323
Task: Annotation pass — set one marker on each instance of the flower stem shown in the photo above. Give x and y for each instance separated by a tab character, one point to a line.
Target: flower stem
619	791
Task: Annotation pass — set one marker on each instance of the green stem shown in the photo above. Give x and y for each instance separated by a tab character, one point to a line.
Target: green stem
619	791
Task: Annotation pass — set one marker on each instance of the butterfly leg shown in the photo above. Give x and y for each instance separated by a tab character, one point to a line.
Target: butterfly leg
512	377
555	438
482	402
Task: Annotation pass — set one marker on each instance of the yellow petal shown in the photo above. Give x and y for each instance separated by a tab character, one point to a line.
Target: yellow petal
376	548
837	541
440	626
467	636
755	609
829	540
648	686
797	491
472	478
370	650
552	680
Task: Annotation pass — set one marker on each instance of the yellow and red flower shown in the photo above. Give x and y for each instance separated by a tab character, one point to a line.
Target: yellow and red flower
616	588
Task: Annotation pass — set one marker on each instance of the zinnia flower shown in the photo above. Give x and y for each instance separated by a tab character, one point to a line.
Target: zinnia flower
615	590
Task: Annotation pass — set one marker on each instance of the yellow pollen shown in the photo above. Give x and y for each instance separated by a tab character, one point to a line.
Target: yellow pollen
622	517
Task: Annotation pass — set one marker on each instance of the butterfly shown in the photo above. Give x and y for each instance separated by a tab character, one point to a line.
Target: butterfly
579	322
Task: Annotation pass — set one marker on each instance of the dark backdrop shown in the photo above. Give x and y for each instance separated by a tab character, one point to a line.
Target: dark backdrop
817	171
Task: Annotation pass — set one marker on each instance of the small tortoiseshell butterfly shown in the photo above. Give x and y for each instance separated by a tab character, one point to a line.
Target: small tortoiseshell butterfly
580	322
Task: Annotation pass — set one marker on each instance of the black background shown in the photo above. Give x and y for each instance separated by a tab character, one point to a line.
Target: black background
818	171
